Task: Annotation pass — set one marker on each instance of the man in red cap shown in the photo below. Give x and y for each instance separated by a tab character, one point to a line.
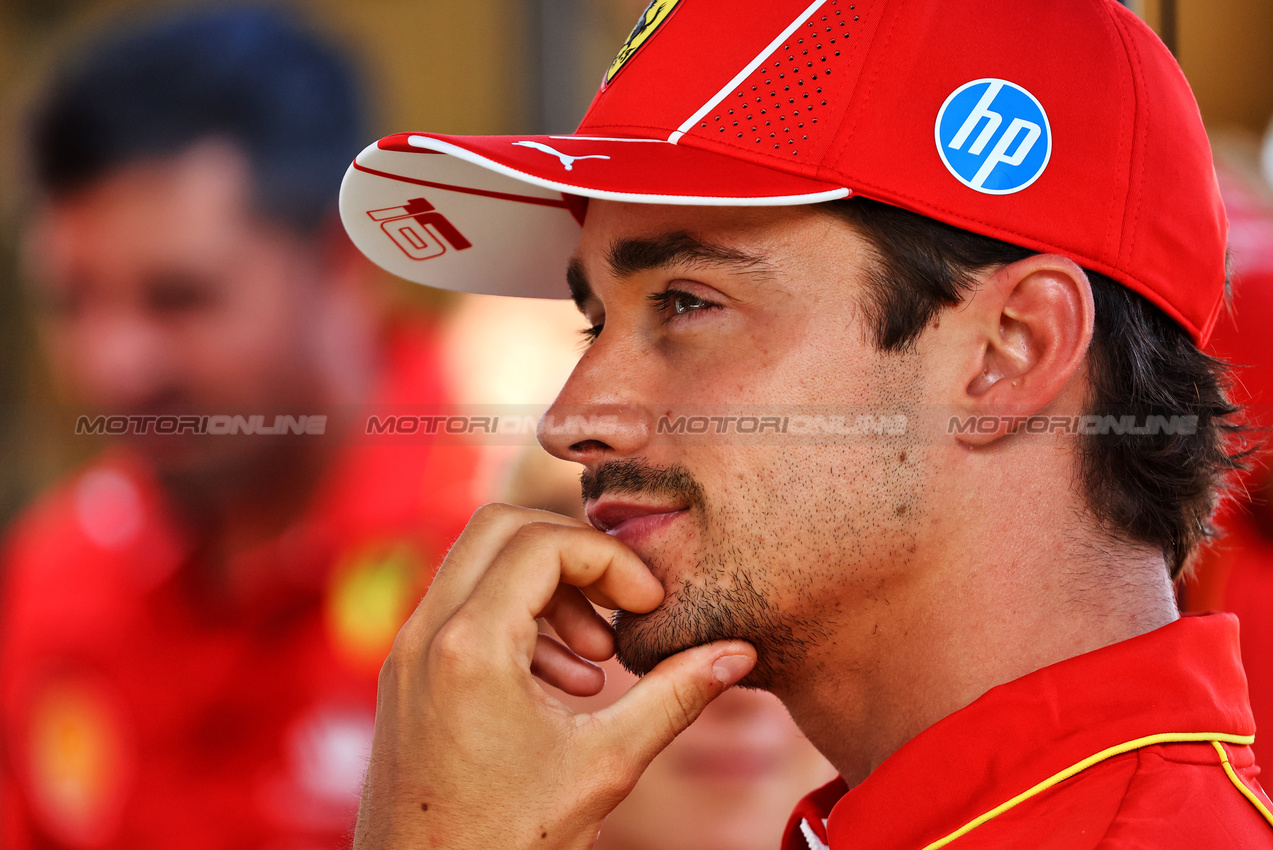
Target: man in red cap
922	461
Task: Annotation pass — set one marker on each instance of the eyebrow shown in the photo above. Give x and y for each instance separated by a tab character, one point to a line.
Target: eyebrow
628	257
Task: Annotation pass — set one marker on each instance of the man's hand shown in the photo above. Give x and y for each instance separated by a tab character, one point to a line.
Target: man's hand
469	750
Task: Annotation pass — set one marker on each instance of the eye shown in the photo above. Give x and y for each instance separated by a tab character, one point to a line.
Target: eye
596	319
673	303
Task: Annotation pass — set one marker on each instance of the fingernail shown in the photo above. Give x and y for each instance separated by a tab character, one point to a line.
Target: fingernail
728	669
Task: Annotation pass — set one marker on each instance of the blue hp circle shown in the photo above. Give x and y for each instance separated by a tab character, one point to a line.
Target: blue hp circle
994	136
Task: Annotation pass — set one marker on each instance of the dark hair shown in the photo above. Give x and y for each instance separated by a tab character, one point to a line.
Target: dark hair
250	75
1159	489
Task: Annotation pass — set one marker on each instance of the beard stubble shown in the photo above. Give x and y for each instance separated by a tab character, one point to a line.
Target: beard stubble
718	600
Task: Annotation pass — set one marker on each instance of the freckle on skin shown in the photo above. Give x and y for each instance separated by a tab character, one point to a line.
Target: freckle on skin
424	807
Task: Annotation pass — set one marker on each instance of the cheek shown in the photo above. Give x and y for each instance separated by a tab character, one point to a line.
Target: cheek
819	525
802	359
256	336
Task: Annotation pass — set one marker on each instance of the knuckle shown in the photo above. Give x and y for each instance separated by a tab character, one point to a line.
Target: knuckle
681	705
387	673
614	770
451	652
406	644
490	515
615	778
404	654
537	535
614	766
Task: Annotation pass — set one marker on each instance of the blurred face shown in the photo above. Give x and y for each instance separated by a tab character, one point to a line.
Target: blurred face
715	311
729	782
162	292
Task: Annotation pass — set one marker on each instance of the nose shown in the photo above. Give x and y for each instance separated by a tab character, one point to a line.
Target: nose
602	410
119	361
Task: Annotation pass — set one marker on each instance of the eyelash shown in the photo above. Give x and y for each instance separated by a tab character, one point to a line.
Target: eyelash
663	302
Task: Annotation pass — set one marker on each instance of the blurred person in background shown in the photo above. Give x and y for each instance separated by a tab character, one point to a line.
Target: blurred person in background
729	782
191	628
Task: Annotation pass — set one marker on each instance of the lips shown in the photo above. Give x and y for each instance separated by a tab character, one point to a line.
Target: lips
734	764
631	522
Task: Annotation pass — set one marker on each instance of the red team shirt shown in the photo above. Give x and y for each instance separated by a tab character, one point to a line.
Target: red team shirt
1111	749
140	711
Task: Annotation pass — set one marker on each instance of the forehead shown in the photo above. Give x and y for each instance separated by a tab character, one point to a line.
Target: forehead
188	207
791	239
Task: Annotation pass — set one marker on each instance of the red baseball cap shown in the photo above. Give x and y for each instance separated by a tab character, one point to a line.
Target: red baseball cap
1064	127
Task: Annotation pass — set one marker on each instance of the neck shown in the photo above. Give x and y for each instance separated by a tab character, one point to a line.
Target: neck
987	606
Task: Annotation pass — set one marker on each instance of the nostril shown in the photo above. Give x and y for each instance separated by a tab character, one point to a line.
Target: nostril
588	446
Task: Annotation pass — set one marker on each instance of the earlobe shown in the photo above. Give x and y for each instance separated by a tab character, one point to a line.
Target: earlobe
1032	322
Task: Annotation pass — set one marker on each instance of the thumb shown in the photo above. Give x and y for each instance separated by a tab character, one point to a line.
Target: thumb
671	696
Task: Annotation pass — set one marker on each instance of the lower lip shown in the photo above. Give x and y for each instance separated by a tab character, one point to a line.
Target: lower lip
718	766
638	528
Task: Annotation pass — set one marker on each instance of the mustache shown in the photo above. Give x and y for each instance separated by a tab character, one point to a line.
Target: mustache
633	478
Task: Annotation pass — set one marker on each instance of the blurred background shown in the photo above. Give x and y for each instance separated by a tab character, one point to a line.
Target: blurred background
456	66
492	66
76	755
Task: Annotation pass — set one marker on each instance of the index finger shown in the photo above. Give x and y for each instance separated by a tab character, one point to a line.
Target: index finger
488	532
540	557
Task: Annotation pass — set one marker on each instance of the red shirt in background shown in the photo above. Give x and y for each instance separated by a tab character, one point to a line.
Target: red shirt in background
139	710
1235	573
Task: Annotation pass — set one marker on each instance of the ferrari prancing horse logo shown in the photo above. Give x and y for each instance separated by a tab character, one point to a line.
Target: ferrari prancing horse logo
654	15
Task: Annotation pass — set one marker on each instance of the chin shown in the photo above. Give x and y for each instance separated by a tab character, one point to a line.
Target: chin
693	616
643	640
196	473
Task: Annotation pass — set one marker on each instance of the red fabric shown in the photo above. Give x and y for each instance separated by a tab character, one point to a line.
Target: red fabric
1241	564
1236	572
141	711
1184	677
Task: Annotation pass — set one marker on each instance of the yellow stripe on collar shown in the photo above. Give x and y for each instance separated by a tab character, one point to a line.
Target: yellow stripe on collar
1166	738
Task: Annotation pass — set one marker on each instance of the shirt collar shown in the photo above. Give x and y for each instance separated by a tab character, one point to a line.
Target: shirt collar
1185	677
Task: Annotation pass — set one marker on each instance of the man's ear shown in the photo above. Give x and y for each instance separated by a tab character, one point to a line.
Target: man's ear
1026	331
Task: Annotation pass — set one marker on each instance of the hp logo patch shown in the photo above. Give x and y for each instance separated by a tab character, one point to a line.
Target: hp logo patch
994	136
